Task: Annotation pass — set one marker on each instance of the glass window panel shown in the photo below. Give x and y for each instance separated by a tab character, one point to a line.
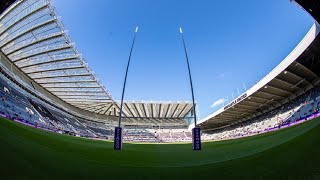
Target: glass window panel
70	72
53	66
31	37
64	79
87	84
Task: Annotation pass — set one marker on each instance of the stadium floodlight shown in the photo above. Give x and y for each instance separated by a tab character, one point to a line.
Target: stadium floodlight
196	135
118	130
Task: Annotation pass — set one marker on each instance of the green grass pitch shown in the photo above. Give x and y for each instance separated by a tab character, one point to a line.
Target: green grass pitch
29	153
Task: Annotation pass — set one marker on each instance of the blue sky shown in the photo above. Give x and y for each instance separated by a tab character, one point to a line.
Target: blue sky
229	43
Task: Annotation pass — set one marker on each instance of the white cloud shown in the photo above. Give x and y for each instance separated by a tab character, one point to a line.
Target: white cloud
218	102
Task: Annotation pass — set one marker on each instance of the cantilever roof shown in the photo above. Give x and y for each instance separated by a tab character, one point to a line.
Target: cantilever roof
33	38
295	75
298	73
141	109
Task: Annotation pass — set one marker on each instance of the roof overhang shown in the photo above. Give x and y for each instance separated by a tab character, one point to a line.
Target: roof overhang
33	38
296	74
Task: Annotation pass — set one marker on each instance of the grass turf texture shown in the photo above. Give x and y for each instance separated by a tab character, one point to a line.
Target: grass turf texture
29	153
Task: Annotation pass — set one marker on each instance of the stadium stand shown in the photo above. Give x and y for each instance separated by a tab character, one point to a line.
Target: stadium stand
45	83
296	111
21	106
286	95
294	76
37	52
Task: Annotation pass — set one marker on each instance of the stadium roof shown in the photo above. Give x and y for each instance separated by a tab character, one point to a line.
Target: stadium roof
296	74
140	109
311	6
34	39
4	4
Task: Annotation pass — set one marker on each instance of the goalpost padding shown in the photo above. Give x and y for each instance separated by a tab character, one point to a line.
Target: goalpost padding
118	138
196	139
